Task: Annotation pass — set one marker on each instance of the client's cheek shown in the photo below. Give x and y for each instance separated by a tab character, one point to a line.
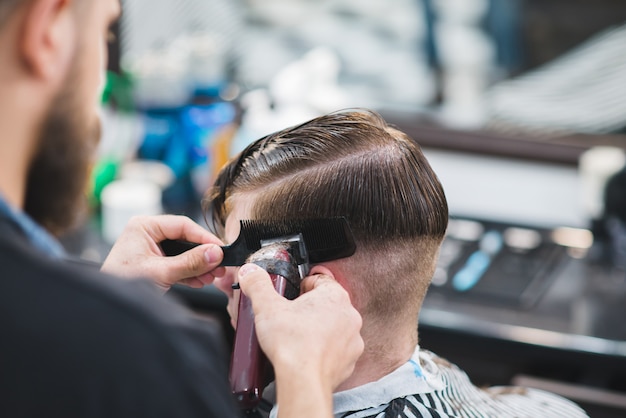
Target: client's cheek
225	283
233	308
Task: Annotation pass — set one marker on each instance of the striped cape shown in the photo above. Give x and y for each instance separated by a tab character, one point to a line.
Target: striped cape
442	390
427	386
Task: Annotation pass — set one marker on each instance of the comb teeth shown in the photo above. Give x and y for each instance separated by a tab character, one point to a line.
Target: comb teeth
325	239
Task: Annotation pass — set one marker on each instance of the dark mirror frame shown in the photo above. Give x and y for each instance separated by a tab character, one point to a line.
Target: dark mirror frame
559	149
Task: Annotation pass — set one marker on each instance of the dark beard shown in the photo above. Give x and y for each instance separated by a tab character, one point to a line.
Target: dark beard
58	173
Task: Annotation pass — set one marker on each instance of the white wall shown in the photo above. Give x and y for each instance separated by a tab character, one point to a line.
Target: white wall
511	190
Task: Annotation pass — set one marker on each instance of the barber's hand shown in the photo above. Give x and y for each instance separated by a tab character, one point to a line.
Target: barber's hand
316	334
137	253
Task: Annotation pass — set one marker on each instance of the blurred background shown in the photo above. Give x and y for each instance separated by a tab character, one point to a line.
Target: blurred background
193	82
520	106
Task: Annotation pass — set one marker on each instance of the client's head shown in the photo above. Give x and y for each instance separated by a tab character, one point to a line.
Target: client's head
349	164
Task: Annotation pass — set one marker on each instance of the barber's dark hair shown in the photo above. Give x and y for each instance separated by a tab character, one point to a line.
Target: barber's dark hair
348	163
7	7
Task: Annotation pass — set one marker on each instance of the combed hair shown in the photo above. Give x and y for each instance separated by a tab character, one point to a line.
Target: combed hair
350	164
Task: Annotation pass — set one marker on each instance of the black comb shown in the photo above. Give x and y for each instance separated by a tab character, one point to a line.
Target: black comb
325	239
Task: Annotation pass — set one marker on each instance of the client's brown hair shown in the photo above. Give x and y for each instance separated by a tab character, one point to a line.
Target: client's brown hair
350	164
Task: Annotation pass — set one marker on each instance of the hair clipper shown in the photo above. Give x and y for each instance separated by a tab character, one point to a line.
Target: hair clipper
286	260
284	249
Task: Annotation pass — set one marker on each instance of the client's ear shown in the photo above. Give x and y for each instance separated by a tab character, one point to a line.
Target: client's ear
320	269
335	272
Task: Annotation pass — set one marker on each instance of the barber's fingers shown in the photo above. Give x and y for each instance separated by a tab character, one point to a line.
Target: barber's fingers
325	287
252	276
192	282
316	280
256	284
197	262
175	227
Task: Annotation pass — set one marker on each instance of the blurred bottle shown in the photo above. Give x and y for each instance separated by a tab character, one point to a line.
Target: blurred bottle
178	91
603	191
467	58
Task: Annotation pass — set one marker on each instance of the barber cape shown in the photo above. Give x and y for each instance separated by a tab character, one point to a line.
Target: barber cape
428	386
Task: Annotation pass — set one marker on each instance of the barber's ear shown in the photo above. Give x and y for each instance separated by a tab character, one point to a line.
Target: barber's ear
48	38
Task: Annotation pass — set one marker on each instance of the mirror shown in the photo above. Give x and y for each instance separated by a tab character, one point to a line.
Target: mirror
538	79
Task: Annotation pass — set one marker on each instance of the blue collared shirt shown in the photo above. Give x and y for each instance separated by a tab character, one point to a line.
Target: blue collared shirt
36	235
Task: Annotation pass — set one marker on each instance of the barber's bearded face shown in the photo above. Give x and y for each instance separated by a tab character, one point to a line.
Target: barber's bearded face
59	170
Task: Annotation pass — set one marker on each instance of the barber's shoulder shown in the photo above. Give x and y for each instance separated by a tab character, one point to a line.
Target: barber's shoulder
42	284
82	309
65	320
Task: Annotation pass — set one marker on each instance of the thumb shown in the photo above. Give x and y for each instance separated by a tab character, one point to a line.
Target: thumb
256	284
195	262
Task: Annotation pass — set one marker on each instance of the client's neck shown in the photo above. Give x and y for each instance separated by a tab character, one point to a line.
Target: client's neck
386	349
